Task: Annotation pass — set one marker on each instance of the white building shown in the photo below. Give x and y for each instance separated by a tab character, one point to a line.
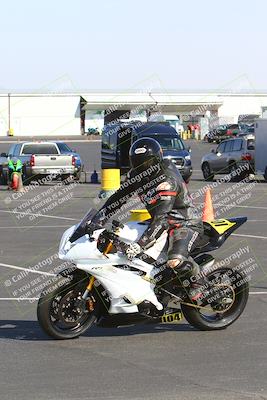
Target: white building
40	114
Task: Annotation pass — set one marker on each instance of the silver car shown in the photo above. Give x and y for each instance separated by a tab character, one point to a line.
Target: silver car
228	157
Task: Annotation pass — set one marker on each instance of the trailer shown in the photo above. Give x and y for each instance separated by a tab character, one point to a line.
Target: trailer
261	147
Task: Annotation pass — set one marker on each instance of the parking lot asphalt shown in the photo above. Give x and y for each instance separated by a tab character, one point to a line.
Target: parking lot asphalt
143	362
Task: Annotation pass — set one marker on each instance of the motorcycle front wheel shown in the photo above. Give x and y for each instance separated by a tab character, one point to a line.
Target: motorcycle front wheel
225	302
61	312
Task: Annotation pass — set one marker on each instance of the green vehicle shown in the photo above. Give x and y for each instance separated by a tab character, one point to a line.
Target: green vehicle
14	173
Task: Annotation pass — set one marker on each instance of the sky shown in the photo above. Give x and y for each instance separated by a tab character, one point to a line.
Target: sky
60	45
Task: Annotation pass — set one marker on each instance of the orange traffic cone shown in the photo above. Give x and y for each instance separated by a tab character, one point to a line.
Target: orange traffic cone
208	213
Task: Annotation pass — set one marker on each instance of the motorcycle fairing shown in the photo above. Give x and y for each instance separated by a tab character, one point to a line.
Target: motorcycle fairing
221	225
225	226
126	288
216	232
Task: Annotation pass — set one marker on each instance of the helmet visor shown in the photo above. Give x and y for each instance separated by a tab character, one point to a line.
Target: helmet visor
143	163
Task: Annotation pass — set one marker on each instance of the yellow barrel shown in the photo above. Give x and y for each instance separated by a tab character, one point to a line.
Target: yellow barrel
184	135
111	179
139	215
11	132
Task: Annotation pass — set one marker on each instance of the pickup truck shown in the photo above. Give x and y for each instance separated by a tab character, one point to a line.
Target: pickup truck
41	159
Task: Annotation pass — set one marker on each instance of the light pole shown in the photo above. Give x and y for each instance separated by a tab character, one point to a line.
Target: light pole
8	113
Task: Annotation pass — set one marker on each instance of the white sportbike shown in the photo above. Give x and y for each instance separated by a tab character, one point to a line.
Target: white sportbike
104	288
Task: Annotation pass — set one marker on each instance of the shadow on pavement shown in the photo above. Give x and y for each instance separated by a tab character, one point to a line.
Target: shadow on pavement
21	330
31	331
139	330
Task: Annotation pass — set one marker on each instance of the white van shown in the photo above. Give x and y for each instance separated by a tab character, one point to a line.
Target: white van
173	120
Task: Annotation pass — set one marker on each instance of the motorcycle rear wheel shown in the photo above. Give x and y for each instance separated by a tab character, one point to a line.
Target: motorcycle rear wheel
58	313
209	318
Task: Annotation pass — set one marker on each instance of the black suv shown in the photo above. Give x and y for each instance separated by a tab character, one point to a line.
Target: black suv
118	138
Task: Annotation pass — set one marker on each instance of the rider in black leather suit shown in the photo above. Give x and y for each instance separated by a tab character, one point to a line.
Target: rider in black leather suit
162	190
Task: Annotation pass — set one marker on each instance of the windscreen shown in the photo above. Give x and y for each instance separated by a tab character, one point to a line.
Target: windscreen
170	143
81	229
39	148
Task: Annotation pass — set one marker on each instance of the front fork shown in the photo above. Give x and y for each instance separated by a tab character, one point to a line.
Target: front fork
85	296
89	287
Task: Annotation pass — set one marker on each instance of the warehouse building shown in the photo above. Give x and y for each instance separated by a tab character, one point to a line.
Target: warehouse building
49	114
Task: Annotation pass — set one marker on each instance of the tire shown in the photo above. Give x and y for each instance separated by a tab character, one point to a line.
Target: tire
77	176
3	179
265	175
54	296
26	180
224	319
67	179
232	169
207	174
37	179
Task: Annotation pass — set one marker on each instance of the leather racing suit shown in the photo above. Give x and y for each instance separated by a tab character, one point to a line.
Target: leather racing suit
164	193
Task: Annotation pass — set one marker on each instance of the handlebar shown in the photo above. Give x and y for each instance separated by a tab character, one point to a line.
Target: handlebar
108	235
117	225
91	227
111	236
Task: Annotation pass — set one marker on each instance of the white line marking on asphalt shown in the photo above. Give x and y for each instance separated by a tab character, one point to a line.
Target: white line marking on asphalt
250	236
34	226
233	205
258	292
238	206
18	299
26	269
256	220
38	215
257	207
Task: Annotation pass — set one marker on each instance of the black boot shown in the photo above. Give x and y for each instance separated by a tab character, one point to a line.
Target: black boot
187	274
